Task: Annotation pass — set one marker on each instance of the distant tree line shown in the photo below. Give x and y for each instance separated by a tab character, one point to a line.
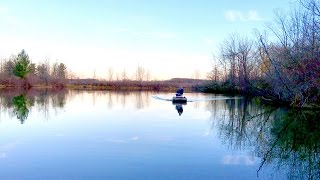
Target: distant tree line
20	71
140	74
282	68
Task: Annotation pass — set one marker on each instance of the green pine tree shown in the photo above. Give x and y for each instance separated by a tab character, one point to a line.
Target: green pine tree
22	65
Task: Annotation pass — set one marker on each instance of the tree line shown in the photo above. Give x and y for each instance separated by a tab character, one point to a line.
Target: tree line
20	71
140	74
282	64
20	66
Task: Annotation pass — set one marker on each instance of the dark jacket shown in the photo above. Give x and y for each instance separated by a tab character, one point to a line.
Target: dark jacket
180	91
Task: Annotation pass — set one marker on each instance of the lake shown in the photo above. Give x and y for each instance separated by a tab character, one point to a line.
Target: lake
72	134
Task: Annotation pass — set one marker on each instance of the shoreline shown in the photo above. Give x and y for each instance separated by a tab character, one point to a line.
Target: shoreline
164	88
98	87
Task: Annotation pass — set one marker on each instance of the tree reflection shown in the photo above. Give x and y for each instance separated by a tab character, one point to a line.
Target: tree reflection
287	139
21	107
19	102
141	99
237	121
59	99
42	101
294	143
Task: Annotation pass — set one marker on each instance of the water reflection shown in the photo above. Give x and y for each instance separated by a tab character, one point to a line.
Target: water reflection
179	107
286	139
18	103
21	107
48	101
293	143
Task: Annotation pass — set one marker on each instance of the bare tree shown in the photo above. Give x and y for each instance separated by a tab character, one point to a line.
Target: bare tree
140	73
110	74
1	66
9	68
124	75
294	58
213	75
237	59
43	73
117	77
54	72
148	75
196	74
228	58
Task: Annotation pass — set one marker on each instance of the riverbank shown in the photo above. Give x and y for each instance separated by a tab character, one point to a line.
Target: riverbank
189	85
265	95
171	85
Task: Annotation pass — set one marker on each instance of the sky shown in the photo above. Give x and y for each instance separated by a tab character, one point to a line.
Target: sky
168	38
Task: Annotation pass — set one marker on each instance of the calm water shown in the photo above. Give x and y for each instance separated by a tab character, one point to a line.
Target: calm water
132	135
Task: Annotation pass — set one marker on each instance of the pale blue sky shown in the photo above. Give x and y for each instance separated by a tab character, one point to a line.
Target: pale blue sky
159	35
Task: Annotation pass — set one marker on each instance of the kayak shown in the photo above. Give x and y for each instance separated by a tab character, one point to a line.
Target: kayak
179	99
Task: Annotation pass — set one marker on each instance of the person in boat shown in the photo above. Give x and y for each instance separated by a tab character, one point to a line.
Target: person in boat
179	91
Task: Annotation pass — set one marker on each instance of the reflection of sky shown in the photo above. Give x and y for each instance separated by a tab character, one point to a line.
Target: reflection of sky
88	138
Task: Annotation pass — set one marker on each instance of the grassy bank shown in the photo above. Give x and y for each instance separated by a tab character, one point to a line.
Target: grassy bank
93	84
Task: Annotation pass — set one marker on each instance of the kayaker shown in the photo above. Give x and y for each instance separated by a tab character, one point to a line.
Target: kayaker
180	91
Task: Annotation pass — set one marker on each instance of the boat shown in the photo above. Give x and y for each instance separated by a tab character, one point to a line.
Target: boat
179	99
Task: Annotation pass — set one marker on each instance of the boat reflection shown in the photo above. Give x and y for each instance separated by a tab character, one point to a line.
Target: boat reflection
179	107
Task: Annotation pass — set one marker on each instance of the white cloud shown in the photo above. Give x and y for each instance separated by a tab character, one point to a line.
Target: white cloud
117	141
134	138
6	148
233	15
230	15
238	160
